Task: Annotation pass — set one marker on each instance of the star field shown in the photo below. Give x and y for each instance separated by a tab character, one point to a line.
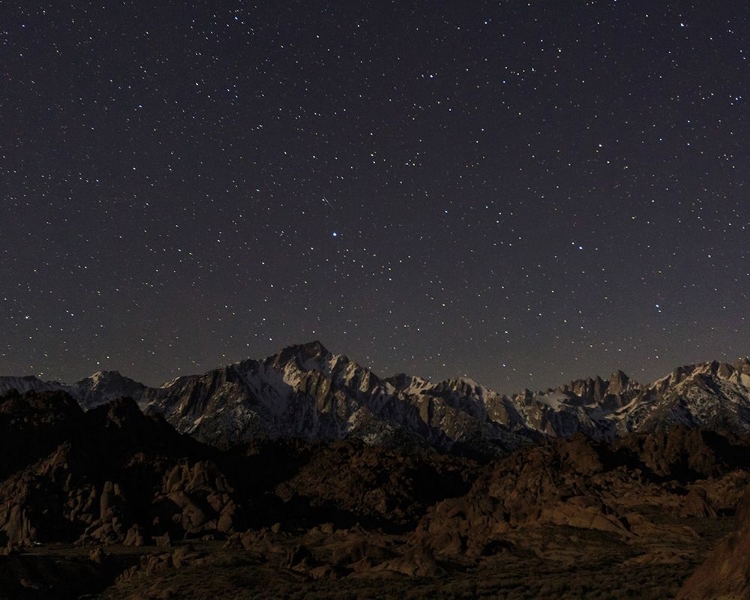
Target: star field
520	192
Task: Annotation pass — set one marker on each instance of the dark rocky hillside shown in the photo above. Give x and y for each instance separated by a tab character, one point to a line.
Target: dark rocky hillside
117	504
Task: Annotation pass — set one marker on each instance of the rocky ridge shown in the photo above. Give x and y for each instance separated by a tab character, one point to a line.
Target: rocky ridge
310	393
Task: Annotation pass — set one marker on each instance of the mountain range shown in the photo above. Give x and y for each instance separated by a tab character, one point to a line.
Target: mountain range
305	474
307	392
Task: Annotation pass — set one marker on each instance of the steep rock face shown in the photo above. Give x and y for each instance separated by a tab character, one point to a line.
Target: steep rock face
310	394
712	395
610	394
306	392
104	386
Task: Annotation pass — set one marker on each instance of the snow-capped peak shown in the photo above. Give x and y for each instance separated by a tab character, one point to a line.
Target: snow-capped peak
307	391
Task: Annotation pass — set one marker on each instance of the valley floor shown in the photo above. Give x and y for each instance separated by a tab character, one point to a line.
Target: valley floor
532	563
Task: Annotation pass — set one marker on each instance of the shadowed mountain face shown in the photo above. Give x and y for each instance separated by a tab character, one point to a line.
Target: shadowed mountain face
116	502
306	392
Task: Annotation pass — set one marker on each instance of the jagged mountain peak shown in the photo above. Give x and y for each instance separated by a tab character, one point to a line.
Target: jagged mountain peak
105	375
302	352
619	380
103	386
107	378
464	386
312	357
594	390
712	369
402	381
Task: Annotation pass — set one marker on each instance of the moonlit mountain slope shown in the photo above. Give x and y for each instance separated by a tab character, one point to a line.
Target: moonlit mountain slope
307	392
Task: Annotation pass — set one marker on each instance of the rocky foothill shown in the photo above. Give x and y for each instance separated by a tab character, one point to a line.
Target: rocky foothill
115	503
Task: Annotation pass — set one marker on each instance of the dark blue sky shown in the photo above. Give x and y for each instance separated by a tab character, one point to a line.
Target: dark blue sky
522	192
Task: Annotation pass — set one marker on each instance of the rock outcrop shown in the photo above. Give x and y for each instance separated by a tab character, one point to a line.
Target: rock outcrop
725	575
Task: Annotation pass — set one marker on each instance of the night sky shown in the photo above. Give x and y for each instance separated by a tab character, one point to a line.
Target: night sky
520	192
